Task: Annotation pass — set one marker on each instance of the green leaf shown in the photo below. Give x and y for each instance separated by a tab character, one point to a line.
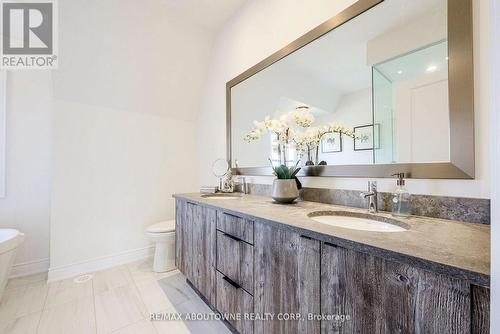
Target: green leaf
280	173
283	172
286	172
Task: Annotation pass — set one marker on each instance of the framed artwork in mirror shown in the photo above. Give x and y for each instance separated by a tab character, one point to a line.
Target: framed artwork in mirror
367	137
331	143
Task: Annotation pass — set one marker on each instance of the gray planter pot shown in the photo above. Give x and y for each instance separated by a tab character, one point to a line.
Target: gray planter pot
285	191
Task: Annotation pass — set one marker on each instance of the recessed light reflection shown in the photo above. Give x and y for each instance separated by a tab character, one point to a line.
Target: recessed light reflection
431	68
447	58
400	72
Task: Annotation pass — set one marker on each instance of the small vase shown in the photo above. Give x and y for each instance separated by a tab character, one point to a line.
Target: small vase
285	191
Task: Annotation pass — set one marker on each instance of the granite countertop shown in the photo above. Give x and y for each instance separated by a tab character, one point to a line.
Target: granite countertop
450	247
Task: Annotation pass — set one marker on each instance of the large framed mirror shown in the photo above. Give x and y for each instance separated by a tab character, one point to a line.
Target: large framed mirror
381	88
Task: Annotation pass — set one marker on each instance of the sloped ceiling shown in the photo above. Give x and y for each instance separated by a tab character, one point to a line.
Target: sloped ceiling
211	14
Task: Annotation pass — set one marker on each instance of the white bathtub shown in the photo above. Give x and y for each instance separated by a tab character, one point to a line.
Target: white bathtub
9	240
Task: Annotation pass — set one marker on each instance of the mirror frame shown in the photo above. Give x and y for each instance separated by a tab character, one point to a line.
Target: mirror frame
460	94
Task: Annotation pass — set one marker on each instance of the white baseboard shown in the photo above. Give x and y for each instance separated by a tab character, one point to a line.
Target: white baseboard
100	263
29	268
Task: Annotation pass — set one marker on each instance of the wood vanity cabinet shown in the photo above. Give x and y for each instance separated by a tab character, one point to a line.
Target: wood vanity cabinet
381	296
235	260
287	280
243	266
183	239
233	299
235	276
235	226
196	246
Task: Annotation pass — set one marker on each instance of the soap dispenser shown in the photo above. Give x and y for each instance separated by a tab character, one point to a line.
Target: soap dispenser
401	205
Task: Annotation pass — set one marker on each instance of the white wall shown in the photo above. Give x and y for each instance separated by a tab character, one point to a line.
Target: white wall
126	95
495	166
279	90
424	30
26	205
3	92
353	109
261	27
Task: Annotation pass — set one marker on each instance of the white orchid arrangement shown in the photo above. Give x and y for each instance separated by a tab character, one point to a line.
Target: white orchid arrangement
295	127
284	127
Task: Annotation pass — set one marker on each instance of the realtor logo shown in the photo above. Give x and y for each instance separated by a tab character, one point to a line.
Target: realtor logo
29	35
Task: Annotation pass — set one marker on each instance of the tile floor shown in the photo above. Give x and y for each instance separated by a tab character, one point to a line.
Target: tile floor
117	300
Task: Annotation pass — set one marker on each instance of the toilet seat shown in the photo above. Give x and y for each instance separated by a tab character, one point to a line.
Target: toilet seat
162	227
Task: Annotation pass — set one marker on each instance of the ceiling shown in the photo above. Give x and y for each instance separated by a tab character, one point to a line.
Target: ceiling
339	58
210	14
416	64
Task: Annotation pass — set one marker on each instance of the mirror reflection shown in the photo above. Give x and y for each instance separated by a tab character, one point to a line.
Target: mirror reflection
374	90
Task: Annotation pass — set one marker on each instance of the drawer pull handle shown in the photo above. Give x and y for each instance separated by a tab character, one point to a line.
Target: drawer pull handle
232	237
331	245
306	237
230	215
234	284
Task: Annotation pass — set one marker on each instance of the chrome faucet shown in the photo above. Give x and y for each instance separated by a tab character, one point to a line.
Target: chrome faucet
372	196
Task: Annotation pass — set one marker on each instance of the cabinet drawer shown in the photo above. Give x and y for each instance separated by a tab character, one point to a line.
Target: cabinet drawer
233	300
236	226
235	260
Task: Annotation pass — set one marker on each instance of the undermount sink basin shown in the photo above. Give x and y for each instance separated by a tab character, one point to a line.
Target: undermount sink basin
359	221
223	196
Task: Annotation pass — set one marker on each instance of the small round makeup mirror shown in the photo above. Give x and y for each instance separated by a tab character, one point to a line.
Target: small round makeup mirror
220	167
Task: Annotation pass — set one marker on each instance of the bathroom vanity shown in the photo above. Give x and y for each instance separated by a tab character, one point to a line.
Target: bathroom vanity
283	272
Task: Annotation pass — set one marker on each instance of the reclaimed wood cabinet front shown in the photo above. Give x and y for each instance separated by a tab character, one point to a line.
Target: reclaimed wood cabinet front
235	260
367	294
203	260
287	281
195	246
242	266
183	239
233	300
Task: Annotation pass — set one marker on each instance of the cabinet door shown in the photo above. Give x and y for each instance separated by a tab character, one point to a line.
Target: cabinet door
365	294
287	280
203	222
183	235
480	310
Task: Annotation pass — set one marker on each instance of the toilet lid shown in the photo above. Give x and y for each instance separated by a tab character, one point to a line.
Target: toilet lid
166	226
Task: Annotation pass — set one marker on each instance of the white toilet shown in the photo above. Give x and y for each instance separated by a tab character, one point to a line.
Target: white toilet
163	235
